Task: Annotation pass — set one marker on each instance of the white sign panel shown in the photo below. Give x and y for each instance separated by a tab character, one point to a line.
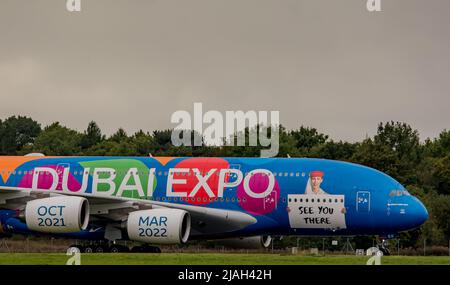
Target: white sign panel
313	211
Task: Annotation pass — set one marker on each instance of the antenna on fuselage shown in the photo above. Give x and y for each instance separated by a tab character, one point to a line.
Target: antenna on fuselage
149	154
288	155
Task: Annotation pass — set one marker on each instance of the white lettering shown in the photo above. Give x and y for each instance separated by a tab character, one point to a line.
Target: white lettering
96	180
73	5
269	188
171	181
202	181
44	171
136	186
224	184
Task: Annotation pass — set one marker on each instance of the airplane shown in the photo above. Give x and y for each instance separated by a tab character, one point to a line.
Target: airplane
153	201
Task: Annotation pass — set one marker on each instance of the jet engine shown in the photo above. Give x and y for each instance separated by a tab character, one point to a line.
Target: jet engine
61	214
159	226
254	242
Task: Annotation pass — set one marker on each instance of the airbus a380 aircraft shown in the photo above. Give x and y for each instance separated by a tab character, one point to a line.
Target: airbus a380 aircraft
169	200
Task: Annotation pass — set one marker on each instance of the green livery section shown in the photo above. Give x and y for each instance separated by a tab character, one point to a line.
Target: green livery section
121	166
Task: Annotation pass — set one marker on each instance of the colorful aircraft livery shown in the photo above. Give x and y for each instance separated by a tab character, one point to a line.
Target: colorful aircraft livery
224	197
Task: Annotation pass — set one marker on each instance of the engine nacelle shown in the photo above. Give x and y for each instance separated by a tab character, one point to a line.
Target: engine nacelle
159	226
62	214
254	242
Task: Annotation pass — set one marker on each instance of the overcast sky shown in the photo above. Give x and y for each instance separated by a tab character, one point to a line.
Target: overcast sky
327	64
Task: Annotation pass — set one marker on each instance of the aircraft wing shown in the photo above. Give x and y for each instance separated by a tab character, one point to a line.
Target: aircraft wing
110	210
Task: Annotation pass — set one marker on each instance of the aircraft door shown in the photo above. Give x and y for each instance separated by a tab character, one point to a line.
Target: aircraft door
363	201
60	171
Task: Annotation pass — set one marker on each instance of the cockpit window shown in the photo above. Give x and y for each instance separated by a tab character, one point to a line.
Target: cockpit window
398	193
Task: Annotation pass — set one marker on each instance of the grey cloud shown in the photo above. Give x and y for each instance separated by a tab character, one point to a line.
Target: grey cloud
327	64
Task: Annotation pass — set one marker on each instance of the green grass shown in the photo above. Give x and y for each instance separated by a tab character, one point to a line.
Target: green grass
211	259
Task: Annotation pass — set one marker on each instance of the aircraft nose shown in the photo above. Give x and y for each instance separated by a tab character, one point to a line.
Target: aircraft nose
419	213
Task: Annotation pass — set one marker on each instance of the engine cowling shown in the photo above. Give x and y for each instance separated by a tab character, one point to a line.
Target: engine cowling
62	214
159	226
254	242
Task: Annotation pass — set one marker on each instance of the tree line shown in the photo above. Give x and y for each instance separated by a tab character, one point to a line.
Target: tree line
422	167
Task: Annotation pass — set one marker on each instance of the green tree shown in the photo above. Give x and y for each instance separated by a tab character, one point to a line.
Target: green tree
17	132
92	136
440	146
334	150
442	174
58	140
307	138
119	136
143	143
395	149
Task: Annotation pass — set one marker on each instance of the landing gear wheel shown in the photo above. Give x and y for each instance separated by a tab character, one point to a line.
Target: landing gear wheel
99	249
152	249
75	247
146	249
114	249
137	249
118	248
88	249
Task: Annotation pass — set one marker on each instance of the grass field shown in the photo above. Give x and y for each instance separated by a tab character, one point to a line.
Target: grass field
211	259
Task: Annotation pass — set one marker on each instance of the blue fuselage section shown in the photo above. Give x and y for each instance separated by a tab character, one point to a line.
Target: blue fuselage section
286	196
